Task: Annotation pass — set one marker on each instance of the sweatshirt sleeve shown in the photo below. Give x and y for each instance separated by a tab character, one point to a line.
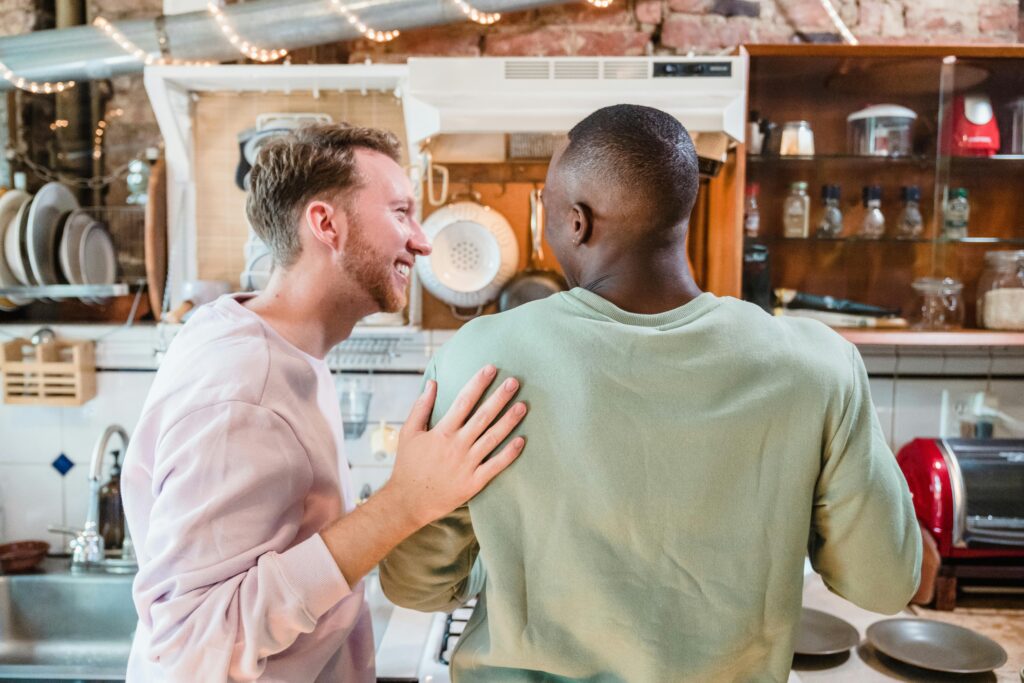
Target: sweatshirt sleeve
865	540
435	569
220	589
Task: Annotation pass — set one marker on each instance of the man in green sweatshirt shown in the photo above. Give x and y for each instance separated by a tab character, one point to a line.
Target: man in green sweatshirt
685	452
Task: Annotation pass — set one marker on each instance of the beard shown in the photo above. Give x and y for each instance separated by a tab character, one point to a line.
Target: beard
371	271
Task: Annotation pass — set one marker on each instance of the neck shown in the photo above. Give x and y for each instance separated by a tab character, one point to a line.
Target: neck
308	314
651	284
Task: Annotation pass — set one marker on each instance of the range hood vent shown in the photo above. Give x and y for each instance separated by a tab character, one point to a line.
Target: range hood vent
529	70
627	70
578	70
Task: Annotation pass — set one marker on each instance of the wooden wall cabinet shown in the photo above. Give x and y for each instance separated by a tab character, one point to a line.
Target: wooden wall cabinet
823	85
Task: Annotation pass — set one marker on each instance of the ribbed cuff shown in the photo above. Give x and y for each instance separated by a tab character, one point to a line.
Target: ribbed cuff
314	575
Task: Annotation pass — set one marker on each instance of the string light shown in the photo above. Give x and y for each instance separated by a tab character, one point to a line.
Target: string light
371	34
254	53
101	129
33	86
484	18
136	51
59	123
601	4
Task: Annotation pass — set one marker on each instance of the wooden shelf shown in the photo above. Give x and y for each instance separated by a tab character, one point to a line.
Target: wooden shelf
961	338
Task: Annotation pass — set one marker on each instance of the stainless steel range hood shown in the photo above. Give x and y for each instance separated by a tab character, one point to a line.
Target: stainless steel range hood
480	96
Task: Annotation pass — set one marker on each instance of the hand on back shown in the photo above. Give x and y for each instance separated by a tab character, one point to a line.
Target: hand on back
439	469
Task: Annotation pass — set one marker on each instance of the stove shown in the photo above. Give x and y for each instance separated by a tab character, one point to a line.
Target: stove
445	632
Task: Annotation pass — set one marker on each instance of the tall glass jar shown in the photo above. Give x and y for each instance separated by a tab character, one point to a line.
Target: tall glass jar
1001	291
796	209
939	304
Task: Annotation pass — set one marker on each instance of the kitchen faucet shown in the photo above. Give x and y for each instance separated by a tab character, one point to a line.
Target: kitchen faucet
87	551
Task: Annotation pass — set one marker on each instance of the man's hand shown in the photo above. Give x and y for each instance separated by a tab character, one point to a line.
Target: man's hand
439	469
436	471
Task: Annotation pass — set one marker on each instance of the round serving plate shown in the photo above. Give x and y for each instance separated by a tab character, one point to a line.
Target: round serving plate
820	633
14	245
51	202
97	257
936	645
10	203
474	253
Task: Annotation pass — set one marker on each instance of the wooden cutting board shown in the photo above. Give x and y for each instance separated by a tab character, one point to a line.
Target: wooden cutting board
155	234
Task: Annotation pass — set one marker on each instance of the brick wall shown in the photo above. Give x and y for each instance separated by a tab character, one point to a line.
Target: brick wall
628	27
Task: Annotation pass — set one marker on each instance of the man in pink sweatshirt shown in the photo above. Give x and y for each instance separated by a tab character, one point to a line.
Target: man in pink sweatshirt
251	550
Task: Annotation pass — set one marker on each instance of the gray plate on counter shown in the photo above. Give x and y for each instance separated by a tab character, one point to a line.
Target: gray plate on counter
820	633
936	645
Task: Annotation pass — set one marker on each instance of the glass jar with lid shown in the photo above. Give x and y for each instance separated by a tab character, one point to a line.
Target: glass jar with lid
939	304
1001	291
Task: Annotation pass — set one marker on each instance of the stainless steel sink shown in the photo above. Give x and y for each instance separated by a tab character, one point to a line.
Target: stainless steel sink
63	626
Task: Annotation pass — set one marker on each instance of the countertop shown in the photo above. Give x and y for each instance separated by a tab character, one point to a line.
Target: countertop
1003	623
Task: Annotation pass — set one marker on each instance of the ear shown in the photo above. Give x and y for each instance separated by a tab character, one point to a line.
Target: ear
328	225
581	224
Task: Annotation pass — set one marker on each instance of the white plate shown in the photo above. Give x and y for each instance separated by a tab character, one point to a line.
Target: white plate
14	252
10	203
69	252
49	204
96	256
474	254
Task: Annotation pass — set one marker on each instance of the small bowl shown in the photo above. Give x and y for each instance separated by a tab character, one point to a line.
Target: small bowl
22	556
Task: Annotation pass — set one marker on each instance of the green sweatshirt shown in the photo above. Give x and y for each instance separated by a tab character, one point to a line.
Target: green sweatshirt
678	467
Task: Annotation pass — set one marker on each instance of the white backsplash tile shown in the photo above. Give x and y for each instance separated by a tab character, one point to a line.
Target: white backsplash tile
918	405
31	434
881	396
31	500
375	477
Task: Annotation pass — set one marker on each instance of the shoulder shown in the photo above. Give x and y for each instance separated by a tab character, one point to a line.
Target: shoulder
800	345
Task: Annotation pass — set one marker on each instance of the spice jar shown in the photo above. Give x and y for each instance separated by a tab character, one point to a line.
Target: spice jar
939	304
1001	291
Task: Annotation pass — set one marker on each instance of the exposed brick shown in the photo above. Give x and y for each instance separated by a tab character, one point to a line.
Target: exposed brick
547	41
578	13
929	18
999	17
690	32
806	15
648	11
592	43
691	6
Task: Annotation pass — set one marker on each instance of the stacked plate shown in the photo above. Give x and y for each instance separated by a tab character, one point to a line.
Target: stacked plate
47	239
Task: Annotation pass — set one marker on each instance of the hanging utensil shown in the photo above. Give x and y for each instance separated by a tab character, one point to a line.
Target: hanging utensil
535	282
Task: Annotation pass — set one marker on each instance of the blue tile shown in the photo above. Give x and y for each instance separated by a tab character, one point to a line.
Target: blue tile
63	464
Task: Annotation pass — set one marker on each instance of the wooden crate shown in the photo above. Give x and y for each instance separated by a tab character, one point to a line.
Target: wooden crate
55	373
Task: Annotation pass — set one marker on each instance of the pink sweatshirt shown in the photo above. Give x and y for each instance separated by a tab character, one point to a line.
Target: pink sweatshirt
234	467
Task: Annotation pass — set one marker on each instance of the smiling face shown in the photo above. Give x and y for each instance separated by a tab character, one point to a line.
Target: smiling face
384	236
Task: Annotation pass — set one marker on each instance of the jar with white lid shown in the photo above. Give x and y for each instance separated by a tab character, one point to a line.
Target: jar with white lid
1001	291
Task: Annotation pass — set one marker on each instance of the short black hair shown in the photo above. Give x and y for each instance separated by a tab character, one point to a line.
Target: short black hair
645	148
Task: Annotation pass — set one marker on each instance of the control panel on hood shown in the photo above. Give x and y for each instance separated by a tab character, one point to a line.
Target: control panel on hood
692	69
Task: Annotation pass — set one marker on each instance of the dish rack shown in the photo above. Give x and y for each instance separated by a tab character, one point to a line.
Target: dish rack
126	226
52	373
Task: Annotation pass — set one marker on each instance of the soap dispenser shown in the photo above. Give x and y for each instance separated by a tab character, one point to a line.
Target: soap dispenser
111	508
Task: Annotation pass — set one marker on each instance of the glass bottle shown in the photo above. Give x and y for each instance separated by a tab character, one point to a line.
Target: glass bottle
873	225
956	215
910	224
1001	291
796	211
111	508
751	211
831	225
